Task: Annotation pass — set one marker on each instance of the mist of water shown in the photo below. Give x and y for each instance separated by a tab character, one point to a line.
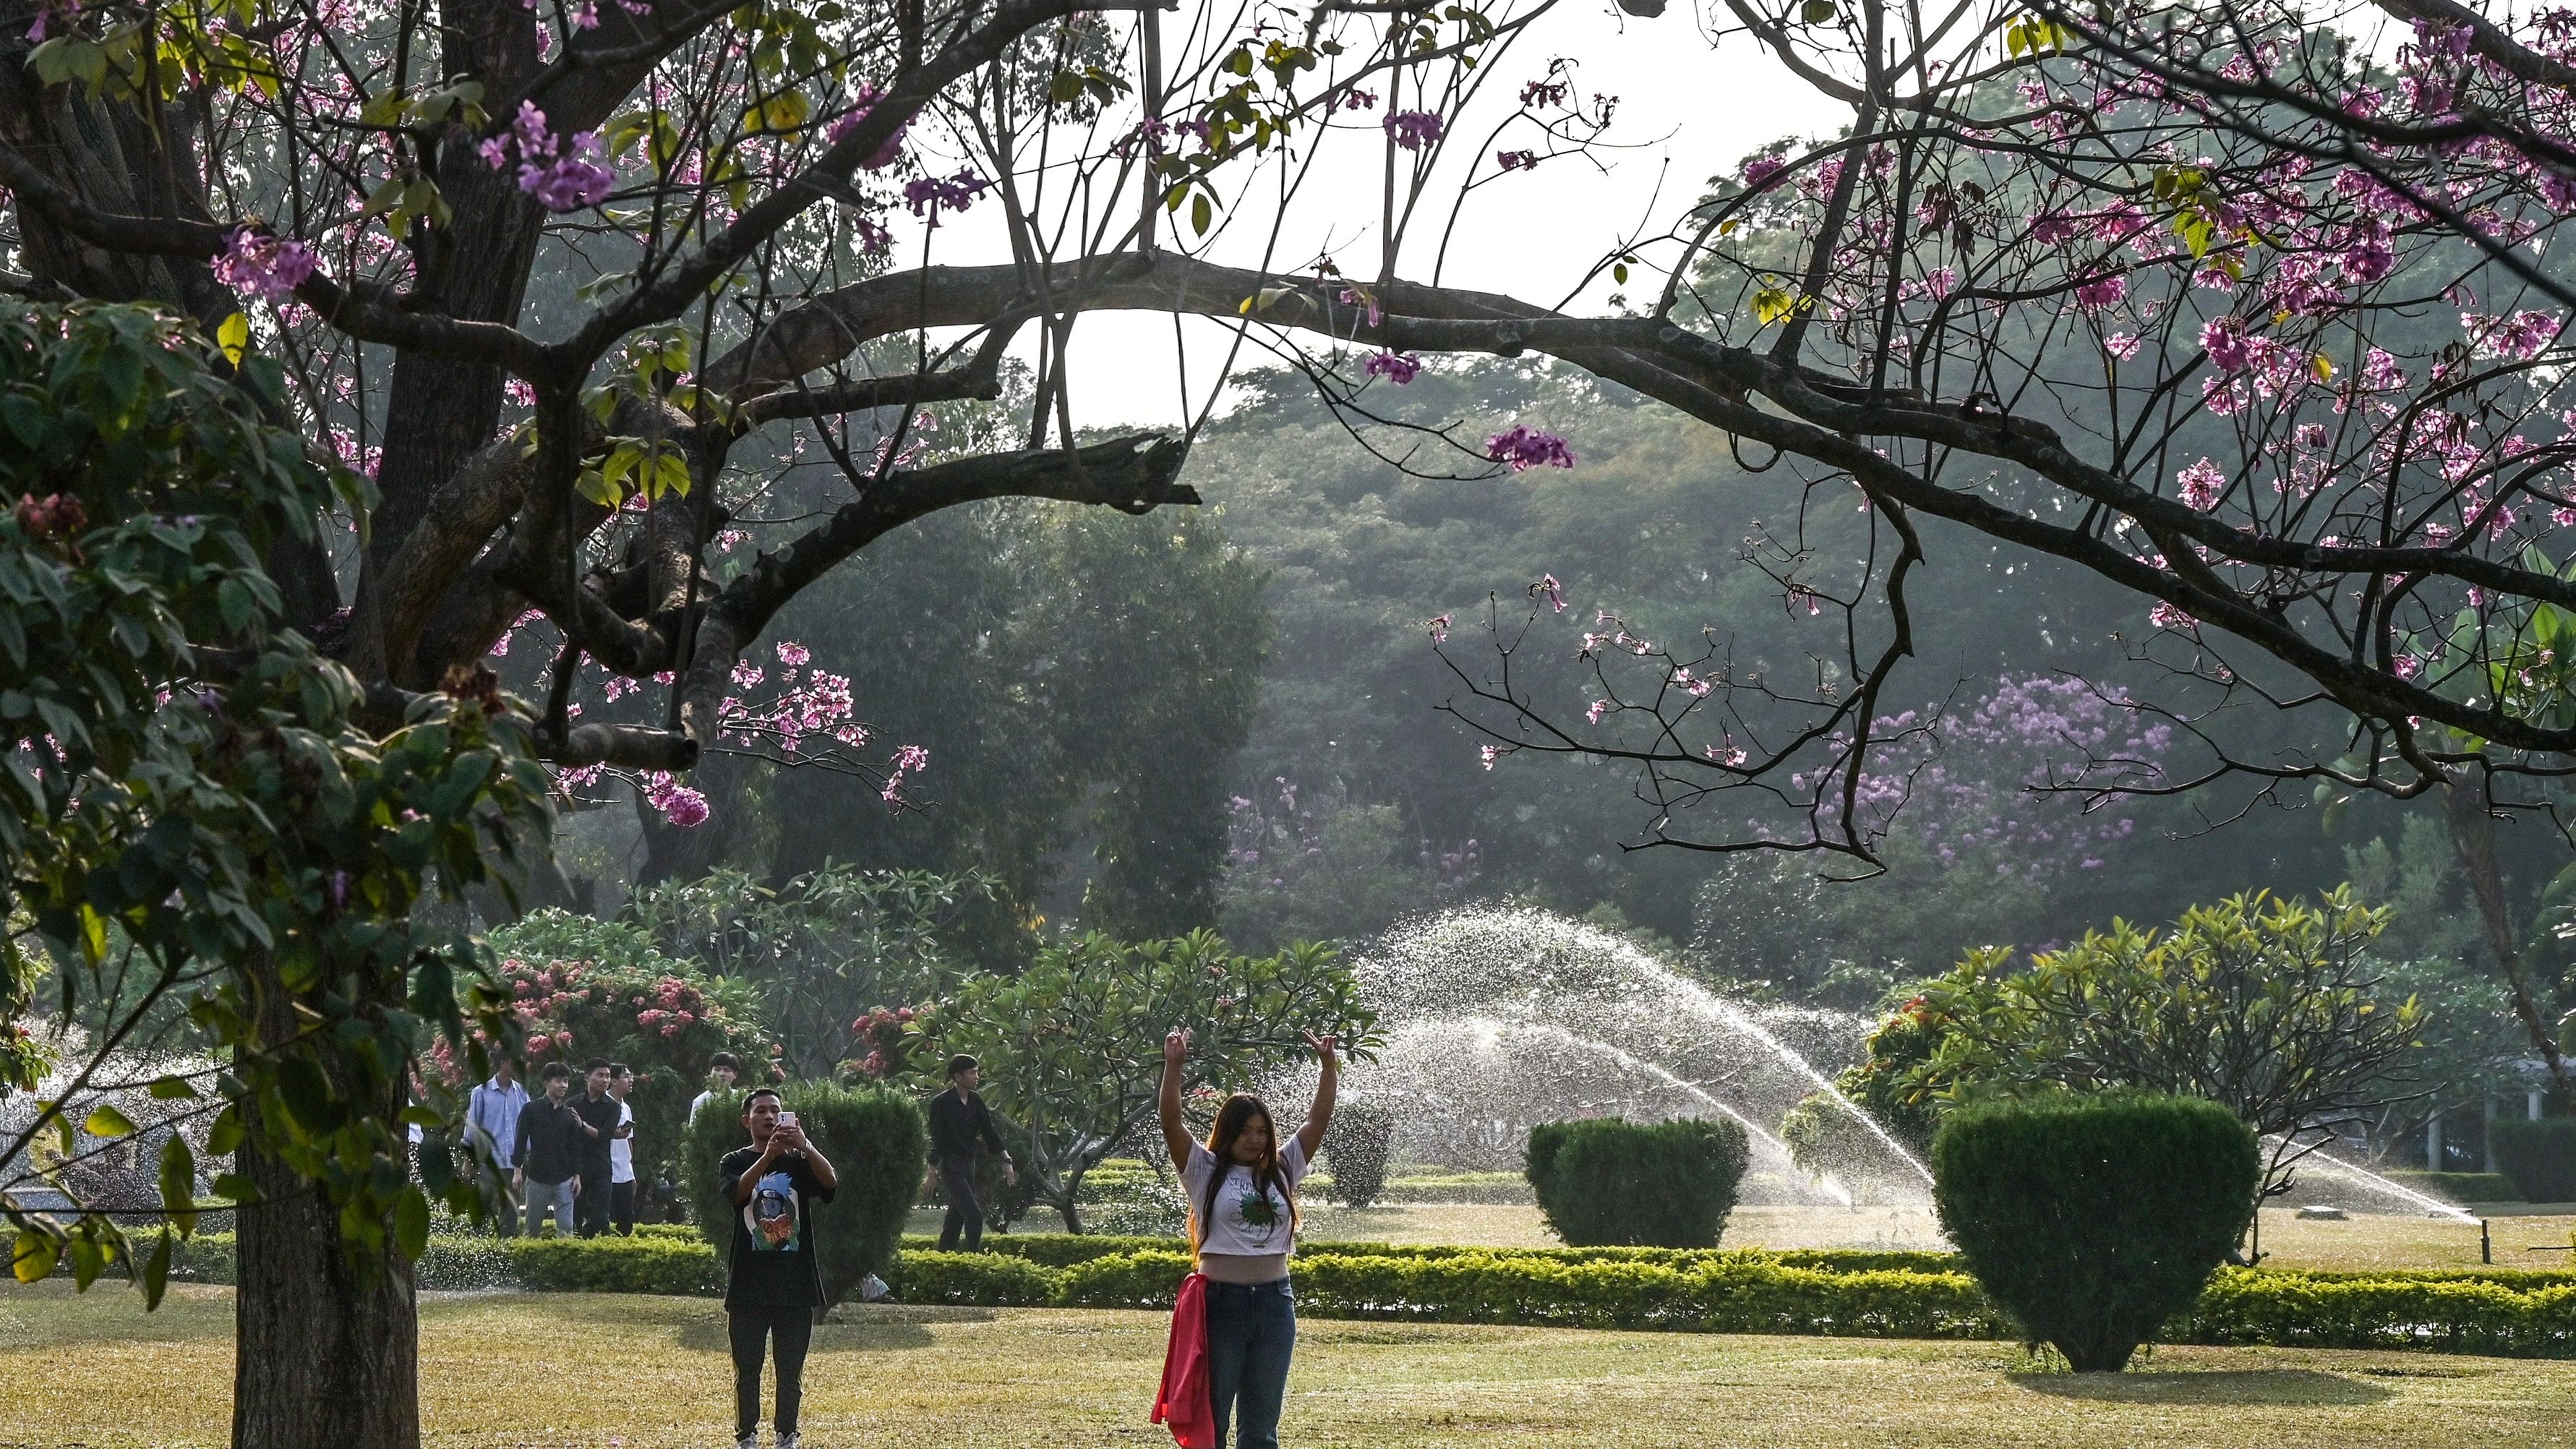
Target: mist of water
1500	1017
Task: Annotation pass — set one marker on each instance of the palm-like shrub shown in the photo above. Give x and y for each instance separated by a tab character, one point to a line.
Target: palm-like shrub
1605	1182
2094	1220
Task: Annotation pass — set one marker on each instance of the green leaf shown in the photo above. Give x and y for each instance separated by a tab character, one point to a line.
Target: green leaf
1818	12
411	1223
1202	215
179	1182
156	1271
225	1137
36	1254
171	1089
105	1121
233	336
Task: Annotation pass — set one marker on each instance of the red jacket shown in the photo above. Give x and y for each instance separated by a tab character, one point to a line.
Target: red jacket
1182	1402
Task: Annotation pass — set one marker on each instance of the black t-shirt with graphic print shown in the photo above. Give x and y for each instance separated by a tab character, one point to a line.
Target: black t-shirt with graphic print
773	1263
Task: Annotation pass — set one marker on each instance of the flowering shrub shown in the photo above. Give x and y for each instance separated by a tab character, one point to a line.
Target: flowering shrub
626	1002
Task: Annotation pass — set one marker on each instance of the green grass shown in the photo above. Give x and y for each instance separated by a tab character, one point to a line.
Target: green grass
95	1372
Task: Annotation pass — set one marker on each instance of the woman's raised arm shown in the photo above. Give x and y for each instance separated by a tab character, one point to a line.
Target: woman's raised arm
1176	1133
1327	1082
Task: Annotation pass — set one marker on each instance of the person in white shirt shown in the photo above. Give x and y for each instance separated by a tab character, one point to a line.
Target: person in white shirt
621	1152
1242	1186
724	1069
492	1127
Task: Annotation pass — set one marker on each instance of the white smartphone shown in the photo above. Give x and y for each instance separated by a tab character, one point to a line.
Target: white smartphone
786	1119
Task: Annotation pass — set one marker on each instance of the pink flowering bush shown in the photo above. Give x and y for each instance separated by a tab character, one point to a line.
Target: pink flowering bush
624	1000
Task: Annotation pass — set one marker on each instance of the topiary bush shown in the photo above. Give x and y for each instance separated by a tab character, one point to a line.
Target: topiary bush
1605	1181
877	1139
2540	1157
2095	1219
1356	1142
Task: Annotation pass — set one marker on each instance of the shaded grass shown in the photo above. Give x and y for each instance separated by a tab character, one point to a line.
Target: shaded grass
631	1372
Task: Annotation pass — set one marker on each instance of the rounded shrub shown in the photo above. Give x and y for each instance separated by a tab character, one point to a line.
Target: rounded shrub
878	1141
1603	1181
2539	1156
2093	1220
1356	1142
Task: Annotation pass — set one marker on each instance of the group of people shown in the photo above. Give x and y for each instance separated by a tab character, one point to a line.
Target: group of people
571	1157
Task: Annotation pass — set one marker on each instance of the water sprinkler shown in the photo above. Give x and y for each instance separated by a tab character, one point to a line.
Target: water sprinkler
2486	1245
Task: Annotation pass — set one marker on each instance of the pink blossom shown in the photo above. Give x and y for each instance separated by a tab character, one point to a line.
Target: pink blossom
2223	338
678	803
930	195
791	653
2121	345
1440	630
1396	367
1551	589
883	156
1761	169
2371	256
258	263
2101	292
2052	228
1516	160
2202	485
1525	447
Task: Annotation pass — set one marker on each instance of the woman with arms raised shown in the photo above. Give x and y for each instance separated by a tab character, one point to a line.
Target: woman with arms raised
1242	1187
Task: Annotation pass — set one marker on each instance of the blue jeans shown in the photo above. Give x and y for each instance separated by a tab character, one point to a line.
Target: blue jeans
1252	1331
550	1198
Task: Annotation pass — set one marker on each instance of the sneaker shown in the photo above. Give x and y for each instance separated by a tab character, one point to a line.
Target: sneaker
748	1441
790	1441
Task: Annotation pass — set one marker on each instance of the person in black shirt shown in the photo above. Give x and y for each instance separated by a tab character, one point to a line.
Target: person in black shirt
545	1155
959	1122
773	1282
598	1114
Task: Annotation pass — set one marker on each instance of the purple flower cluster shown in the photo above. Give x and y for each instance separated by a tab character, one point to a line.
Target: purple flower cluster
1412	130
257	263
679	804
562	173
2033	732
861	104
931	195
1396	367
1525	447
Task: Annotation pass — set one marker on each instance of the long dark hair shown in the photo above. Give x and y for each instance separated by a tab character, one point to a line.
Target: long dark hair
1231	1119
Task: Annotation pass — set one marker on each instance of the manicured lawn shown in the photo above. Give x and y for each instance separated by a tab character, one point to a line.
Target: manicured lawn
650	1373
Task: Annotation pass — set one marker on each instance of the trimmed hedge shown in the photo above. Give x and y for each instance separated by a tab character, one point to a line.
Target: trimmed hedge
2503	1311
876	1137
2459	1186
1608	1181
2539	1156
2095	1219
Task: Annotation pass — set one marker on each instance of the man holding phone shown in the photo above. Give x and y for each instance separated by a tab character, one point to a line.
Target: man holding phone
773	1282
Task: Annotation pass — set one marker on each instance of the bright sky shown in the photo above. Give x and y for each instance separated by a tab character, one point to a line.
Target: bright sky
1688	109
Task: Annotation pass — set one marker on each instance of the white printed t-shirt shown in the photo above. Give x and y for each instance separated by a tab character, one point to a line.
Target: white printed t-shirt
1248	1223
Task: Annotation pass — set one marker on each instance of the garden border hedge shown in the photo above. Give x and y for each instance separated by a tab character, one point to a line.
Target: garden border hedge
2522	1313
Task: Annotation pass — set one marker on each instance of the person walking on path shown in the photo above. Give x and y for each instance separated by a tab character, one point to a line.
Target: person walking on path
724	1069
1242	1187
548	1174
597	1114
959	1124
621	1152
773	1282
492	1123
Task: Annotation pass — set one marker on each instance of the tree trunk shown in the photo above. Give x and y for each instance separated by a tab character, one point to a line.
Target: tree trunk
326	1356
2473	838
